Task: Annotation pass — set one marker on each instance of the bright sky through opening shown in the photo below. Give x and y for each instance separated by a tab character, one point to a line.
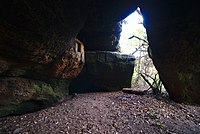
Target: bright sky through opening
131	26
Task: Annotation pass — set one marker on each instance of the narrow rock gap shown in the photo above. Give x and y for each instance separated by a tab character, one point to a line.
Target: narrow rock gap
134	41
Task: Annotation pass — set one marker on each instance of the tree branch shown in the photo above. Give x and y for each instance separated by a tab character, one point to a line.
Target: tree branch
138	38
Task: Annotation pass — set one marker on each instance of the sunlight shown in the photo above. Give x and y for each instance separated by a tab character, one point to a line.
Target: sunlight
133	41
132	25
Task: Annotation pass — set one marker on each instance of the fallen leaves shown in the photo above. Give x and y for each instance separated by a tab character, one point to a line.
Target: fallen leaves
112	113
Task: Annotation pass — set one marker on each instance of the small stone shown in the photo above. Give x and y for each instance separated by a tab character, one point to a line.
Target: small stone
17	131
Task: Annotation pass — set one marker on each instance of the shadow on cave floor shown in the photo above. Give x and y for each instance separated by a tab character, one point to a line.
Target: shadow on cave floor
108	112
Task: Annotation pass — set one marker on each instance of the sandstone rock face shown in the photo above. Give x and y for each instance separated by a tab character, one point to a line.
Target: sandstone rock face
38	45
39	51
36	35
174	37
19	95
71	62
101	31
104	71
102	38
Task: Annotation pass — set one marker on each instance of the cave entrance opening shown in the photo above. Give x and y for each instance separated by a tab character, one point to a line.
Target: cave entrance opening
134	41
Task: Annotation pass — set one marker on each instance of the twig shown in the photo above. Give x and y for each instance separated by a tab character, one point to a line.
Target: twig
138	49
146	81
156	86
138	38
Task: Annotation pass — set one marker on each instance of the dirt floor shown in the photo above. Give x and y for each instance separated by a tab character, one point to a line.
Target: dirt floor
108	113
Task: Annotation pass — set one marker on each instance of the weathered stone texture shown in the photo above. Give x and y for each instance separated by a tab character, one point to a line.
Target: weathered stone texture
174	37
19	95
37	44
35	34
70	63
104	71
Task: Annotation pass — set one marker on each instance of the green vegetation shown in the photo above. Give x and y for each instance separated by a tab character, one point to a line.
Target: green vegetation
43	88
156	85
160	125
134	41
45	92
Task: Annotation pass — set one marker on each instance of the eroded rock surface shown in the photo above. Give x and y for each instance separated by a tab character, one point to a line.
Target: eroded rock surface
174	37
38	51
19	95
104	71
38	45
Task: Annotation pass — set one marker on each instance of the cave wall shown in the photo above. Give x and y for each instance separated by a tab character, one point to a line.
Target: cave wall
104	71
37	33
102	29
173	29
40	52
39	49
173	32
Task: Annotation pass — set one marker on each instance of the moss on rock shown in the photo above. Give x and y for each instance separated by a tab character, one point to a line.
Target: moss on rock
23	95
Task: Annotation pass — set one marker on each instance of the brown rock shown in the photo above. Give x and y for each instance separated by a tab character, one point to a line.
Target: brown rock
70	64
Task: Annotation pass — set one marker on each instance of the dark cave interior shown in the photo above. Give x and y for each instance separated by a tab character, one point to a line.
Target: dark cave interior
43	44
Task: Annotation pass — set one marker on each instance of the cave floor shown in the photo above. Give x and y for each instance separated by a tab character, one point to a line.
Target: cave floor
108	113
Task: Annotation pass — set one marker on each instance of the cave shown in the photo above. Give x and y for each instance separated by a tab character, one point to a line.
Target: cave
50	46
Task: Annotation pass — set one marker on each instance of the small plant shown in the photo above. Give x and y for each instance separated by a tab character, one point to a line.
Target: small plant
160	125
156	85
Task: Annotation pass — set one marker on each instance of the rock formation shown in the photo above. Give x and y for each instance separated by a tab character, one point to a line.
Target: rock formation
40	53
174	34
104	71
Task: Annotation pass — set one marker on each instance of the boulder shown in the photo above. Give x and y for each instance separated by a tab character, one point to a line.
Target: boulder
104	71
174	42
19	95
29	88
